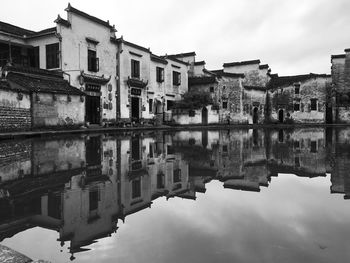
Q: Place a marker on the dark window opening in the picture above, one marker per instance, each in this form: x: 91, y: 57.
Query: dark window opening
x: 136, y: 188
x: 135, y: 149
x: 150, y: 105
x: 313, y: 147
x: 160, y: 180
x: 170, y: 149
x: 93, y: 200
x: 177, y: 175
x: 191, y: 113
x: 296, y: 144
x: 224, y: 104
x: 313, y: 104
x: 211, y: 89
x: 224, y: 148
x: 169, y: 104
x: 297, y: 161
x: 150, y: 150
x: 52, y: 56
x: 297, y: 89
x: 93, y: 61
x: 296, y: 106
x: 176, y: 78
x: 160, y: 74
x: 135, y: 69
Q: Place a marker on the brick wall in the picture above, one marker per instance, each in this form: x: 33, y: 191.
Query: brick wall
x: 12, y: 119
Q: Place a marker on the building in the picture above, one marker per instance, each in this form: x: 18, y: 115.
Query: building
x: 148, y: 84
x: 340, y: 91
x: 37, y: 98
x: 256, y: 77
x: 298, y: 99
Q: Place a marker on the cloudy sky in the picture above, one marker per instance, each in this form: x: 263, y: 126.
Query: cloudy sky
x: 292, y: 36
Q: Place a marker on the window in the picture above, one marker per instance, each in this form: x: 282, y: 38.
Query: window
x: 224, y: 104
x: 191, y: 113
x: 160, y: 180
x: 313, y: 147
x: 296, y: 106
x: 169, y: 104
x: 52, y: 56
x: 136, y: 188
x: 150, y: 105
x: 135, y: 69
x: 313, y: 104
x: 93, y: 62
x: 211, y: 89
x: 170, y: 149
x: 224, y: 148
x: 177, y: 176
x: 296, y: 89
x: 297, y: 161
x: 93, y: 200
x: 150, y: 150
x: 296, y: 144
x: 176, y: 78
x: 160, y: 74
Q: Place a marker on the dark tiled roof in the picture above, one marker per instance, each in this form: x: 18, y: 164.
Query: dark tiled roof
x: 199, y: 63
x: 338, y: 56
x: 34, y: 71
x: 221, y: 73
x: 290, y: 80
x: 5, y: 85
x: 173, y: 58
x: 242, y: 63
x: 158, y: 59
x: 95, y: 79
x: 44, y: 32
x: 87, y: 16
x: 265, y: 66
x: 21, y: 32
x: 201, y: 80
x: 121, y: 40
x: 49, y: 83
x: 183, y: 55
x: 60, y: 20
x: 15, y: 30
x: 261, y: 88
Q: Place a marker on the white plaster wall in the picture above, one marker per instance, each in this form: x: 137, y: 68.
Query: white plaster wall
x: 125, y: 72
x: 74, y: 53
x: 9, y: 98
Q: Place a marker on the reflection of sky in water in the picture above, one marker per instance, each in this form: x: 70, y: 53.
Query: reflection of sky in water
x: 294, y: 220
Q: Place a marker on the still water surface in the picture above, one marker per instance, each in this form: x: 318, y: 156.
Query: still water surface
x: 190, y: 196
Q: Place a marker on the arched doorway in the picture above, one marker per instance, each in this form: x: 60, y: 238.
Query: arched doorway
x: 204, y: 115
x: 281, y: 116
x: 255, y: 115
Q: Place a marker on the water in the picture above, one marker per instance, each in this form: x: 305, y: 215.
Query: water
x: 190, y: 196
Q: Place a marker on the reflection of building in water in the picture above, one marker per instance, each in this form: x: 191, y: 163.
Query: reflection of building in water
x: 80, y: 187
x: 340, y: 163
x: 301, y: 152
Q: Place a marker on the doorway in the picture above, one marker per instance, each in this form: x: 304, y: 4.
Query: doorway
x: 280, y: 116
x: 135, y: 109
x: 255, y: 115
x: 204, y: 115
x: 92, y: 109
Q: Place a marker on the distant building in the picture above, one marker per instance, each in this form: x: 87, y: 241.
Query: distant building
x: 256, y: 77
x: 340, y: 91
x: 298, y: 99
